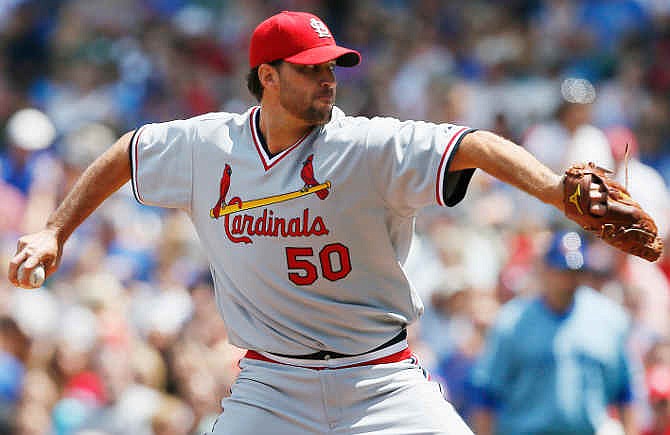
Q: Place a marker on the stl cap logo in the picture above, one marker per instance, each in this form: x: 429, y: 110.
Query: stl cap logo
x: 320, y: 28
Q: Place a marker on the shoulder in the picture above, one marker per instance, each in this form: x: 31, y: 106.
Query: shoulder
x: 650, y: 175
x: 589, y: 297
x: 208, y: 119
x: 607, y: 311
x: 340, y: 121
x: 545, y: 131
x: 590, y: 134
x: 382, y: 132
x: 215, y: 119
x: 361, y: 126
x: 514, y: 312
x: 199, y: 126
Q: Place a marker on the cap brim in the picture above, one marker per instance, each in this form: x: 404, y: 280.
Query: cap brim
x: 314, y: 56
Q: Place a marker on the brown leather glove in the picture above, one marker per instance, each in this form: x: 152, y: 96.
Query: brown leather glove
x: 624, y: 225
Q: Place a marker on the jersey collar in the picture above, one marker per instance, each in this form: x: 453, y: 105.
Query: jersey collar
x: 268, y: 159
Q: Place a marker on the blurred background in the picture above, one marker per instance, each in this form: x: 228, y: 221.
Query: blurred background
x: 126, y: 337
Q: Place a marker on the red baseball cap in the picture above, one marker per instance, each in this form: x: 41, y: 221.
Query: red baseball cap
x: 297, y: 37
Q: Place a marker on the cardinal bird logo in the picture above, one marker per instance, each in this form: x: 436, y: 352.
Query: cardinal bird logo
x: 223, y: 191
x: 307, y: 175
x: 236, y: 204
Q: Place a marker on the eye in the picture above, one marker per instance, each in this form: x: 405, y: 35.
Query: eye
x: 321, y: 67
x: 307, y: 69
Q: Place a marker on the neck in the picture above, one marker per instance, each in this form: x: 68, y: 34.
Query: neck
x: 571, y: 125
x: 559, y: 301
x: 281, y: 129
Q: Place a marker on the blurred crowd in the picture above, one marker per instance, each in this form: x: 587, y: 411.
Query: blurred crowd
x: 126, y: 337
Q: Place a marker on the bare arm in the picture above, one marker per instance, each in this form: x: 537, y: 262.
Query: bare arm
x: 103, y: 177
x: 483, y: 422
x: 628, y: 420
x: 509, y: 163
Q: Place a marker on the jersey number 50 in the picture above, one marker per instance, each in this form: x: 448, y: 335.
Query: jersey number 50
x: 308, y: 272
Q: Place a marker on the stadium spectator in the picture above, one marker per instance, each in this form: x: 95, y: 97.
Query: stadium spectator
x: 570, y: 137
x: 540, y: 372
x: 658, y: 382
x: 27, y: 167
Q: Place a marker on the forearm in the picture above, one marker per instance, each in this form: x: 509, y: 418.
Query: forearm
x: 103, y: 177
x: 509, y: 163
x: 628, y: 419
x: 483, y: 422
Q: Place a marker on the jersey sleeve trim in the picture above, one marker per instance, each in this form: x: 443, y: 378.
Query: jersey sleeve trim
x: 442, y: 194
x: 133, y: 154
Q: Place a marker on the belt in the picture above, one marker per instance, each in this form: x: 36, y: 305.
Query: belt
x: 326, y: 354
x: 394, y: 350
x: 402, y: 355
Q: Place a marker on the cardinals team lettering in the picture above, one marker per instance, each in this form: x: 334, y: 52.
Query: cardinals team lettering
x: 240, y: 227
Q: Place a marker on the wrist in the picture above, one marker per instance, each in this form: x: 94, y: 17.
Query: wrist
x: 557, y: 192
x: 56, y: 231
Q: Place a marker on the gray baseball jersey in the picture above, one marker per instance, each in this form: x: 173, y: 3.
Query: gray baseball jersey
x: 306, y: 247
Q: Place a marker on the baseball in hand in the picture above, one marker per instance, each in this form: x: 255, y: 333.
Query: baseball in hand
x: 36, y: 278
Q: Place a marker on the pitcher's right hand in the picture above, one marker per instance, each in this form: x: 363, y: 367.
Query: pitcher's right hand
x: 32, y: 250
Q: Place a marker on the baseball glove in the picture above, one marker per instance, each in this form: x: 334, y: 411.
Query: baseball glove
x: 624, y: 225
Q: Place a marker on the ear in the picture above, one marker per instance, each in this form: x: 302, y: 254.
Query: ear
x: 268, y: 75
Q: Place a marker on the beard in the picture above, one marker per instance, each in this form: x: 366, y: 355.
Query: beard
x: 306, y: 108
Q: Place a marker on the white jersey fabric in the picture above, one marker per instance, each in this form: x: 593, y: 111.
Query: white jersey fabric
x: 306, y: 247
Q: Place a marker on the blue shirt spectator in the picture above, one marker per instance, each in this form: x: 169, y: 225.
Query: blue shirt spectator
x: 550, y: 373
x: 555, y: 371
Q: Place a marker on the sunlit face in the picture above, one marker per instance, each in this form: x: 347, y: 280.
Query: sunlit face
x: 308, y: 91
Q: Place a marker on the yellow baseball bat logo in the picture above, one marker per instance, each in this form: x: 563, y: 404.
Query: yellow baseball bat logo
x: 262, y: 202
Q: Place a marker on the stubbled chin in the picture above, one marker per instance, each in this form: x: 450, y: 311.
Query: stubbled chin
x: 328, y: 115
x: 321, y: 116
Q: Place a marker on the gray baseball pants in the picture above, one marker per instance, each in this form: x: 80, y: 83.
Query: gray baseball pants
x: 384, y: 399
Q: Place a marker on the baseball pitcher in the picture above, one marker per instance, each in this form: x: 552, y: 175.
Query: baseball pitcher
x: 306, y: 216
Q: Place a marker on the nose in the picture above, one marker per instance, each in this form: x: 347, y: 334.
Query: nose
x: 327, y: 78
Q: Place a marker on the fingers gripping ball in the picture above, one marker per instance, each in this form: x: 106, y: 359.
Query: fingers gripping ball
x: 36, y: 277
x: 624, y: 224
